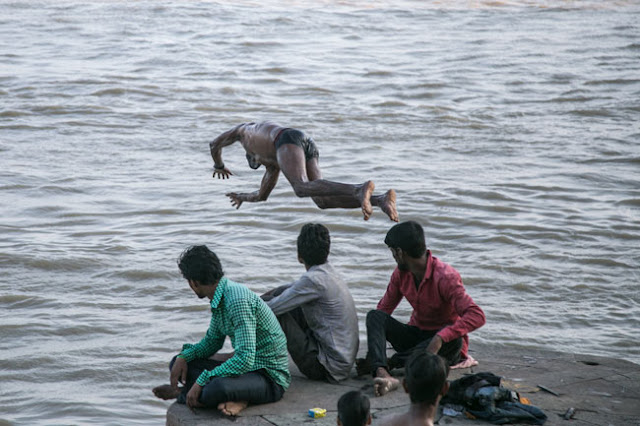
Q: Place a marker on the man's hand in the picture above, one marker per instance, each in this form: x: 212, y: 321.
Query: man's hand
x: 223, y: 173
x: 268, y: 295
x: 435, y: 344
x: 274, y: 292
x: 236, y: 199
x: 193, y: 396
x: 178, y: 372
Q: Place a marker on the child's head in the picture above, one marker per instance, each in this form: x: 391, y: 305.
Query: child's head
x: 353, y: 409
x: 426, y: 377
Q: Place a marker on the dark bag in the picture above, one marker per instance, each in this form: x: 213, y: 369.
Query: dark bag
x: 483, y: 396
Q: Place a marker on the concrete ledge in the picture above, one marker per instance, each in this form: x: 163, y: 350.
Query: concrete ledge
x: 603, y: 391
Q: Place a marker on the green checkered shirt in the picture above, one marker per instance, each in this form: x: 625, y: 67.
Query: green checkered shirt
x: 255, y: 334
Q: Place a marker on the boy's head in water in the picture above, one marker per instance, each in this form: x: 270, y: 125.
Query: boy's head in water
x: 353, y: 409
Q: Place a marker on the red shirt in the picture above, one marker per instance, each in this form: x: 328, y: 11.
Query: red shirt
x: 439, y: 303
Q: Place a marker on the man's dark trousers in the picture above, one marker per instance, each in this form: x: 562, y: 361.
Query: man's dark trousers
x: 303, y: 346
x: 255, y: 387
x: 404, y: 338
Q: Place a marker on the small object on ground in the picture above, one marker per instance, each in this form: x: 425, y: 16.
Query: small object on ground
x: 317, y: 412
x: 548, y: 390
x: 569, y: 413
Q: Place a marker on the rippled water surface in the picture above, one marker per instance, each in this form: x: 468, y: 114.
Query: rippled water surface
x: 510, y: 130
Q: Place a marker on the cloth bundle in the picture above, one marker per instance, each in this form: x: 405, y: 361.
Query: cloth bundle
x: 483, y: 397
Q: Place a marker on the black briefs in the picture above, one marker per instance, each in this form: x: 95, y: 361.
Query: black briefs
x: 297, y: 137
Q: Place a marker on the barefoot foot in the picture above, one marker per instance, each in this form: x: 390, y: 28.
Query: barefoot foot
x: 388, y: 205
x: 166, y: 392
x: 232, y: 408
x: 384, y: 385
x: 364, y: 196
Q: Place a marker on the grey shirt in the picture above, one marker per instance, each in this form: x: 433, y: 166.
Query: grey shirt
x: 330, y: 312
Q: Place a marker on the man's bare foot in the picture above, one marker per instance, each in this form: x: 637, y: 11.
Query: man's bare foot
x: 166, y: 392
x: 384, y: 385
x: 384, y: 382
x: 388, y: 205
x: 364, y: 196
x: 232, y: 408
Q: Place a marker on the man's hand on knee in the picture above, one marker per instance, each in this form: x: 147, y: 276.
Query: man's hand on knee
x: 193, y: 396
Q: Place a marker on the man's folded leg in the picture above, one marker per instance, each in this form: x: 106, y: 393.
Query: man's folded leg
x: 450, y: 351
x: 302, y: 345
x: 255, y: 387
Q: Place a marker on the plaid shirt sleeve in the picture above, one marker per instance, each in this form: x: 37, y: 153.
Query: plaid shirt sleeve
x: 210, y: 344
x: 241, y: 314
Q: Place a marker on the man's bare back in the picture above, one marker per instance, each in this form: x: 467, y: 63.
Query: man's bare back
x: 289, y: 150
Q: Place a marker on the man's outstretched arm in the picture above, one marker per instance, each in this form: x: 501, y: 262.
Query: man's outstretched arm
x: 216, y: 145
x: 269, y: 181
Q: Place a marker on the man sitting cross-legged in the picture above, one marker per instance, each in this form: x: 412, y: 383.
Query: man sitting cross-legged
x: 426, y: 383
x: 317, y: 312
x: 256, y: 373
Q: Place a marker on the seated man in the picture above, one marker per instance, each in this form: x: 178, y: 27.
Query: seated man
x: 443, y: 313
x: 426, y: 383
x: 257, y: 372
x: 317, y: 312
x: 354, y: 409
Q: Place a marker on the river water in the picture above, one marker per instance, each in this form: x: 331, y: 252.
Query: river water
x: 510, y: 130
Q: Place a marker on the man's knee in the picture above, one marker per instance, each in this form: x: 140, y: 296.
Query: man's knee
x: 173, y: 361
x: 300, y: 189
x: 451, y: 351
x: 215, y: 392
x: 320, y: 202
x: 375, y: 317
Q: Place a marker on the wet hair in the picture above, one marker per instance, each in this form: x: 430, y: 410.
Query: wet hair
x: 425, y: 375
x: 408, y: 236
x: 198, y: 263
x: 353, y: 408
x: 313, y: 244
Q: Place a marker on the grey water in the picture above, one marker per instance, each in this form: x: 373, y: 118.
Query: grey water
x: 509, y: 129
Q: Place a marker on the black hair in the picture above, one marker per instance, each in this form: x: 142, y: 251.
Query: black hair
x: 313, y: 244
x: 425, y: 375
x: 353, y: 408
x: 198, y: 263
x: 408, y: 236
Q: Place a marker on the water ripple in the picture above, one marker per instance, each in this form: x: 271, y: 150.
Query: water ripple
x: 518, y: 153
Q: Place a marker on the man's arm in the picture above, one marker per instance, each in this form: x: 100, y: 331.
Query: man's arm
x: 209, y: 345
x: 471, y: 316
x: 275, y: 292
x: 243, y: 318
x: 269, y: 181
x: 216, y: 145
x: 392, y: 296
x: 297, y: 294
